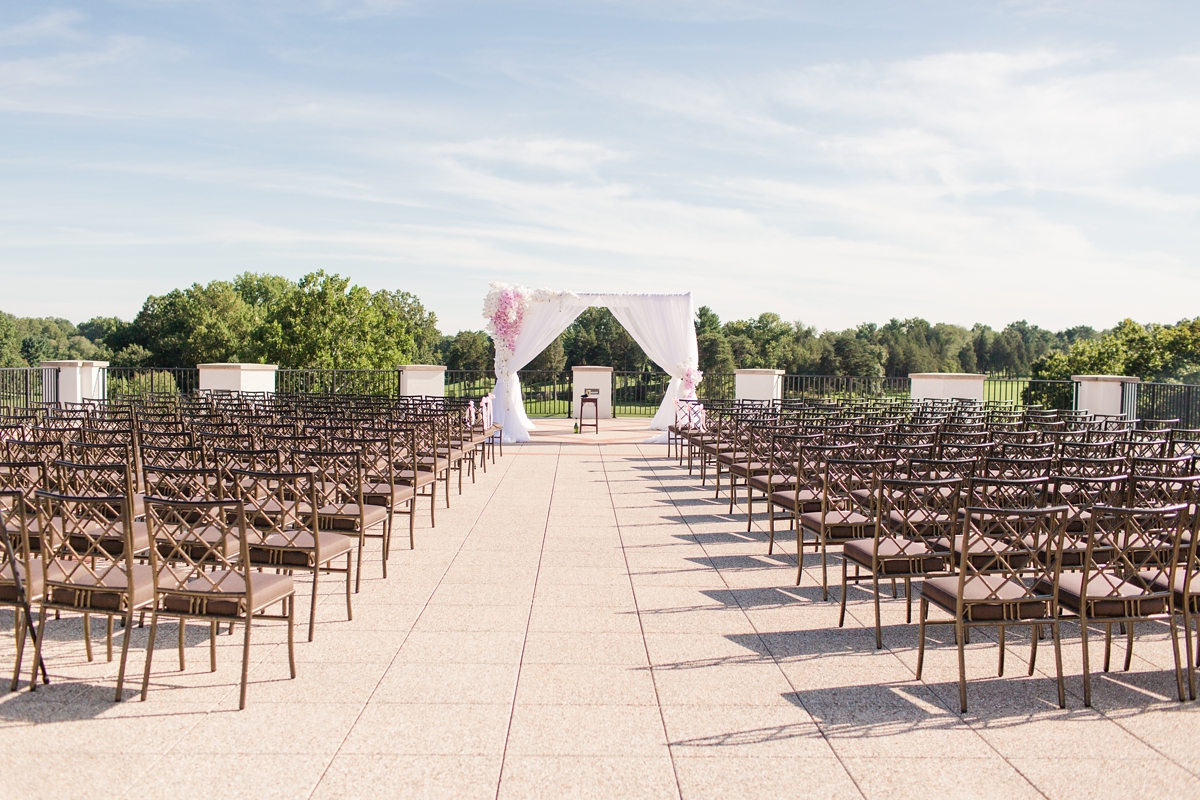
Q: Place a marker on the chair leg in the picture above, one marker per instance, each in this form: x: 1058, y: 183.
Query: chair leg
x: 291, y: 615
x: 149, y: 654
x: 824, y: 572
x: 108, y: 634
x: 312, y: 614
x: 1035, y: 633
x: 124, y: 653
x: 749, y: 507
x: 799, y: 553
x: 1087, y: 671
x: 1174, y: 652
x: 362, y: 545
x: 245, y: 663
x: 921, y: 636
x: 842, y: 612
x: 212, y: 646
x: 1000, y: 664
x: 1058, y: 671
x: 182, y: 634
x: 875, y: 590
x: 349, y: 562
x: 37, y: 647
x: 908, y: 601
x: 1129, y: 646
x: 1107, y: 646
x: 961, y: 636
x: 771, y: 524
x: 87, y: 635
x: 19, y: 632
x: 1187, y: 642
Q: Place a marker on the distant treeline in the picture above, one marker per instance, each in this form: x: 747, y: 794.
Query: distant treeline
x: 324, y: 321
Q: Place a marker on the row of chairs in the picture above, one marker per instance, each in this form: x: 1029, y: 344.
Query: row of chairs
x: 205, y: 507
x: 1001, y: 525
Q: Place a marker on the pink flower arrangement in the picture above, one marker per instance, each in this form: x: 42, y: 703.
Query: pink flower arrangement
x: 691, y: 379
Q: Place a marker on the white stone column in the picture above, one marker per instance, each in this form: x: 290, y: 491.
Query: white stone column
x: 238, y: 377
x: 422, y: 380
x: 1101, y: 394
x: 79, y: 380
x: 758, y: 384
x: 598, y: 378
x: 946, y: 385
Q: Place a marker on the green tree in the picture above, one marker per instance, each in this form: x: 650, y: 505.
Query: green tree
x: 468, y: 350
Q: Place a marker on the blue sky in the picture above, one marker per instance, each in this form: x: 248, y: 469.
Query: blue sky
x: 835, y: 162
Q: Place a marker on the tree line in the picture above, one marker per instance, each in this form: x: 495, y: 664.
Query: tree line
x: 325, y: 321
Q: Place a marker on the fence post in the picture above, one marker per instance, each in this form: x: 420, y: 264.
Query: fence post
x: 1105, y: 394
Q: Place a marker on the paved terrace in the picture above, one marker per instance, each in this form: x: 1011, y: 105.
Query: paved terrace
x: 586, y: 621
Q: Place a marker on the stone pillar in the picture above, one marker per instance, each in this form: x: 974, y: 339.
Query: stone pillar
x: 946, y: 385
x: 80, y: 380
x: 1102, y: 394
x: 238, y: 377
x: 758, y: 384
x: 422, y: 380
x: 599, y: 379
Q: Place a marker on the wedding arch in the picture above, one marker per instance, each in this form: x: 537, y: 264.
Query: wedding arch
x: 523, y: 322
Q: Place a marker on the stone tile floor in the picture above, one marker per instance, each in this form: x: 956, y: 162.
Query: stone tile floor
x: 586, y: 620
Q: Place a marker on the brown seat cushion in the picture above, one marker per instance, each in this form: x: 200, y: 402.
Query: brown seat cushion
x: 296, y: 550
x: 1125, y: 596
x: 978, y: 591
x: 347, y: 517
x: 775, y: 482
x: 745, y: 468
x: 839, y: 524
x: 807, y: 499
x: 32, y: 583
x: 114, y: 580
x: 896, y: 556
x: 225, y: 599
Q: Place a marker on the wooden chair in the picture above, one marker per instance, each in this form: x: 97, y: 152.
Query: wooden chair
x: 205, y: 573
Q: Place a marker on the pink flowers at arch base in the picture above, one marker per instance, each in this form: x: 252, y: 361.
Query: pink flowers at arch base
x: 691, y: 379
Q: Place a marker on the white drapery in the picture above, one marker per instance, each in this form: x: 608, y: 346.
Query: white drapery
x: 542, y: 324
x: 661, y: 324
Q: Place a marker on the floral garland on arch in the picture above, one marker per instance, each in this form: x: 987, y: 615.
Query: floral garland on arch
x: 691, y: 377
x: 505, y: 308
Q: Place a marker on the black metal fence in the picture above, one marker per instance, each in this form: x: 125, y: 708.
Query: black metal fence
x: 472, y: 383
x: 1028, y: 392
x: 638, y: 394
x: 127, y: 381
x: 26, y: 387
x: 812, y: 387
x: 546, y: 394
x: 1179, y: 401
x: 376, y: 382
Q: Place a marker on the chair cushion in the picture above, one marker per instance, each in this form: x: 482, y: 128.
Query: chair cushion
x: 1124, y: 596
x: 896, y: 556
x: 839, y: 524
x: 807, y: 499
x: 347, y: 517
x: 226, y: 599
x: 978, y: 591
x: 297, y: 550
x: 93, y: 594
x: 32, y: 583
x: 775, y: 482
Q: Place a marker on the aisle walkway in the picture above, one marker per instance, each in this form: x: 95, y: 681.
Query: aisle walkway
x: 586, y: 621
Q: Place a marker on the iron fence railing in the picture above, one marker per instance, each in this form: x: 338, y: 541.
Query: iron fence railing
x: 1159, y: 401
x: 638, y: 394
x: 546, y: 394
x: 127, y: 381
x: 1017, y: 392
x: 26, y: 387
x: 375, y: 382
x: 472, y: 383
x: 716, y: 386
x: 810, y: 387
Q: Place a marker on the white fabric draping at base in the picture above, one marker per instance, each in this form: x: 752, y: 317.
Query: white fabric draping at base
x: 662, y: 326
x: 542, y: 324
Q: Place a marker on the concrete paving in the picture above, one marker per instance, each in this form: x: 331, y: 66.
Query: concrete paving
x: 586, y: 620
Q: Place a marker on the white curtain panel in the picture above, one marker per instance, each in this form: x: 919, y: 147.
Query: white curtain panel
x: 542, y: 324
x: 662, y: 325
